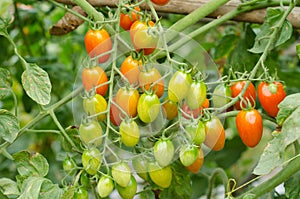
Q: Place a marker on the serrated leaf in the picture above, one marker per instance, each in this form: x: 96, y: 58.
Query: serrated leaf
x: 31, y: 164
x: 5, y: 83
x: 37, y: 84
x: 9, y: 126
x: 273, y: 16
x: 287, y: 106
x: 9, y: 187
x: 292, y: 188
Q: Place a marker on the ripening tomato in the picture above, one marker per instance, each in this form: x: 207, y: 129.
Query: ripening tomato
x: 140, y: 165
x: 127, y: 99
x: 196, y: 132
x: 147, y: 78
x: 148, y: 107
x: 250, y: 126
x: 250, y: 94
x: 163, y: 151
x: 93, y: 77
x: 91, y: 160
x: 98, y: 42
x: 196, y: 94
x: 129, y: 191
x: 270, y: 95
x: 121, y: 174
x: 188, y: 154
x: 221, y: 95
x: 160, y: 2
x: 81, y: 193
x: 91, y: 133
x: 179, y: 86
x: 144, y: 36
x: 170, y: 109
x: 127, y: 19
x: 188, y: 113
x: 196, y: 166
x: 105, y: 186
x: 95, y: 105
x: 130, y: 133
x: 130, y: 68
x: 161, y: 176
x: 115, y: 114
x: 214, y: 134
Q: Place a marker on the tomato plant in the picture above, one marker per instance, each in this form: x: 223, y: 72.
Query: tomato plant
x: 127, y: 99
x: 95, y: 105
x: 152, y: 79
x: 105, y: 186
x: 128, y: 18
x: 93, y: 77
x: 250, y: 94
x: 130, y: 68
x: 91, y: 160
x: 163, y: 152
x: 179, y: 85
x: 148, y: 107
x: 130, y: 133
x: 215, y: 134
x: 90, y: 133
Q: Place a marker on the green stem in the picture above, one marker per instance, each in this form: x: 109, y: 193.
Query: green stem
x: 217, y: 171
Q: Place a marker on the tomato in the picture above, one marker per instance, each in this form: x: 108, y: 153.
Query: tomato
x: 143, y: 36
x: 129, y: 191
x: 196, y: 166
x: 140, y: 165
x: 115, y: 114
x: 160, y: 2
x: 250, y: 126
x: 196, y: 94
x: 147, y: 78
x: 127, y: 19
x: 91, y: 160
x: 188, y: 113
x: 214, y: 134
x: 91, y: 133
x: 130, y: 133
x: 160, y: 176
x: 188, y: 154
x: 81, y: 193
x: 105, y: 186
x: 121, y: 174
x: 127, y: 99
x: 148, y: 107
x: 250, y: 94
x: 179, y: 86
x: 196, y: 132
x: 163, y: 152
x: 98, y: 42
x: 69, y: 165
x: 221, y: 95
x: 270, y: 95
x: 93, y: 77
x: 130, y: 68
x: 170, y: 109
x: 85, y: 180
x: 95, y: 105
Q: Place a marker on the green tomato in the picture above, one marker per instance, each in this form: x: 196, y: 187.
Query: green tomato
x: 196, y: 94
x: 85, y: 180
x: 160, y: 176
x: 188, y: 154
x: 91, y: 133
x: 69, y: 165
x: 148, y: 107
x: 163, y: 152
x: 95, y: 105
x: 105, y: 186
x: 129, y: 191
x: 140, y: 165
x: 130, y: 133
x: 221, y: 95
x: 196, y: 132
x: 179, y: 86
x: 121, y: 174
x: 81, y: 193
x: 91, y: 160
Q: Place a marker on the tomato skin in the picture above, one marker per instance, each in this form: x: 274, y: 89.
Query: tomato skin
x: 170, y: 109
x: 129, y: 191
x: 188, y: 113
x: 179, y: 86
x: 196, y: 132
x: 188, y: 154
x: 148, y: 107
x: 91, y: 160
x: 130, y: 133
x: 160, y: 176
x: 130, y: 68
x: 126, y: 20
x: 92, y: 77
x: 115, y: 114
x: 196, y: 166
x: 91, y: 133
x: 121, y: 174
x: 221, y: 95
x: 95, y: 105
x: 140, y: 165
x: 160, y: 2
x: 215, y: 134
x: 163, y: 151
x: 196, y: 94
x: 81, y: 193
x: 98, y: 42
x: 250, y: 94
x: 147, y: 78
x: 250, y: 126
x: 69, y: 165
x: 105, y: 186
x: 127, y: 99
x: 270, y: 95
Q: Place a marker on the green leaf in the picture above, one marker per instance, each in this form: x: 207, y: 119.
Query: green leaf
x: 181, y: 183
x: 2, y: 196
x: 68, y: 193
x: 273, y: 16
x: 6, y: 7
x: 5, y: 83
x: 148, y: 194
x: 31, y: 164
x: 292, y: 188
x: 225, y: 45
x: 31, y: 187
x: 9, y: 126
x: 298, y: 50
x: 287, y: 106
x: 50, y: 190
x: 37, y: 84
x: 9, y: 187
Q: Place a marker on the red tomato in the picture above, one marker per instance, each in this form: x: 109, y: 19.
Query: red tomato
x: 250, y: 94
x: 170, y: 109
x: 250, y: 126
x: 127, y: 19
x: 127, y: 99
x: 270, y: 95
x: 187, y: 112
x: 147, y: 78
x: 130, y: 68
x: 215, y: 134
x: 92, y: 77
x: 98, y: 42
x: 115, y: 114
x: 160, y: 2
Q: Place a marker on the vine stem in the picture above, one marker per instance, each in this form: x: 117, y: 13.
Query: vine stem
x: 217, y: 171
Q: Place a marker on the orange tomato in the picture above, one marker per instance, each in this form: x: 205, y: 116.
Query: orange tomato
x: 93, y: 77
x: 147, y: 78
x: 130, y: 68
x: 196, y: 166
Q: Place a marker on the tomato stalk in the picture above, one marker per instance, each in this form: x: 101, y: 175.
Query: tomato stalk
x: 217, y: 172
